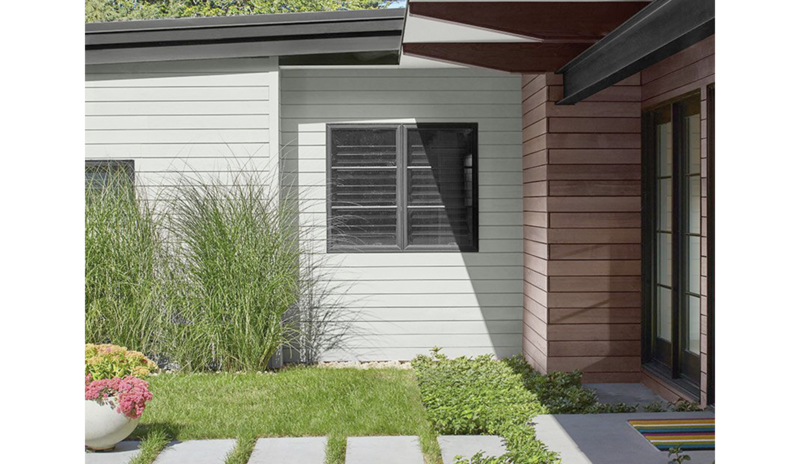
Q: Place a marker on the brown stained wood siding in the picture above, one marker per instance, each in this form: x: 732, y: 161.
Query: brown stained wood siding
x: 687, y: 71
x: 582, y: 216
x: 582, y: 219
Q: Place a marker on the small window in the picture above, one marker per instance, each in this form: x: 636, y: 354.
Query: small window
x: 101, y: 173
x: 396, y: 188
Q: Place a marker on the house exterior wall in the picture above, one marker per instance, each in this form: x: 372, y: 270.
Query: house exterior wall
x: 688, y: 71
x: 582, y: 221
x: 582, y: 230
x: 205, y: 117
x: 405, y: 303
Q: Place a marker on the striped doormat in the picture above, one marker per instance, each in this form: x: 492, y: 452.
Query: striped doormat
x: 690, y: 434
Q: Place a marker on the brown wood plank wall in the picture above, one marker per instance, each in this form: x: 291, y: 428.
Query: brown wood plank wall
x: 582, y: 230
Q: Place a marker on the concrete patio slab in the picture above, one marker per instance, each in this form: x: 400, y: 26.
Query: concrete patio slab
x: 632, y: 394
x: 383, y: 450
x: 122, y: 454
x: 290, y: 450
x: 196, y: 452
x: 468, y: 445
x: 608, y: 438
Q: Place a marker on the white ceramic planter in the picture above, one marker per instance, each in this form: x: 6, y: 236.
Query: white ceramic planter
x: 105, y: 427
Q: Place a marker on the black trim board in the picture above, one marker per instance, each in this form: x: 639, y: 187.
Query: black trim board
x: 293, y: 34
x: 658, y: 31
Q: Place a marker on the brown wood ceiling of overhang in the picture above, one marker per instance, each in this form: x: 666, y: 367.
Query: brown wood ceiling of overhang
x: 564, y: 28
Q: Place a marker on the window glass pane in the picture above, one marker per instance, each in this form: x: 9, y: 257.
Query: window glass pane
x: 363, y: 147
x: 664, y: 314
x: 440, y: 186
x: 693, y: 324
x: 101, y: 174
x: 364, y: 227
x: 364, y: 187
x: 692, y: 136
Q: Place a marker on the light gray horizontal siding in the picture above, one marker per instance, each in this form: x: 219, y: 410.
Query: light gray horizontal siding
x: 406, y: 303
x: 207, y: 118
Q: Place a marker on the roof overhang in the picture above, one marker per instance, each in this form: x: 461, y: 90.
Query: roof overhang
x: 661, y: 29
x: 334, y: 37
x: 525, y: 36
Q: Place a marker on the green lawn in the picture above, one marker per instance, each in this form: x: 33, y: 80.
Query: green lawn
x: 299, y: 401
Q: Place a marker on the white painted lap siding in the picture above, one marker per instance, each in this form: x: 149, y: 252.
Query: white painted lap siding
x: 206, y: 118
x: 467, y: 303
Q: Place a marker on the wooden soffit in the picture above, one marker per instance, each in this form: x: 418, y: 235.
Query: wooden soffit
x: 539, y: 57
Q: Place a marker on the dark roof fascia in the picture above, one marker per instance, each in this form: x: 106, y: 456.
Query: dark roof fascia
x: 659, y: 30
x: 245, y: 36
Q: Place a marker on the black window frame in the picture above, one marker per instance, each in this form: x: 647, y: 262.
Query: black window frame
x: 127, y: 165
x: 402, y: 245
x: 674, y: 372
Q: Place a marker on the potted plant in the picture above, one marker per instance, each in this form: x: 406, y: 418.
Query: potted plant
x: 115, y: 393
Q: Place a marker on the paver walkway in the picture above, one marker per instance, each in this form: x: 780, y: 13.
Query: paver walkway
x: 301, y: 450
x: 122, y: 454
x: 468, y: 445
x: 383, y: 450
x: 608, y: 438
x: 196, y: 452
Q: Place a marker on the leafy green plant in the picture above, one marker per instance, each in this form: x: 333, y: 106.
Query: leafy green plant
x: 470, y: 396
x: 115, y: 10
x: 481, y: 458
x: 679, y: 457
x: 685, y: 406
x: 109, y: 361
x: 562, y: 392
x: 655, y: 406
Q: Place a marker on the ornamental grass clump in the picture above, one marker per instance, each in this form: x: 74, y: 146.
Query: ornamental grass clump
x: 237, y: 260
x: 123, y: 253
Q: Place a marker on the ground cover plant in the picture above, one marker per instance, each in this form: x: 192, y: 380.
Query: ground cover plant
x: 472, y: 396
x: 297, y: 401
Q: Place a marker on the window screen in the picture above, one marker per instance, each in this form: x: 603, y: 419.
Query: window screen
x: 403, y: 188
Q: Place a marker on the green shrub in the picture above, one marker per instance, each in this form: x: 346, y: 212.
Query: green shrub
x: 464, y: 396
x: 562, y: 392
x: 109, y: 361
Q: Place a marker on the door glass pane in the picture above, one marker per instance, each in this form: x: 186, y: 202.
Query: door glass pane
x: 694, y: 265
x: 693, y: 325
x: 692, y: 123
x: 694, y: 204
x: 665, y: 204
x: 664, y: 148
x: 664, y: 257
x: 664, y: 313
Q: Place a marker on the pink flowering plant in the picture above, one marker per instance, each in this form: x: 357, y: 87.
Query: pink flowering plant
x: 129, y: 393
x: 115, y: 375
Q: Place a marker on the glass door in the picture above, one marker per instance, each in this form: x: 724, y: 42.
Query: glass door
x: 672, y: 242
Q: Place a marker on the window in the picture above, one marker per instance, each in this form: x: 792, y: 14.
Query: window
x: 100, y: 173
x: 402, y: 188
x: 672, y: 241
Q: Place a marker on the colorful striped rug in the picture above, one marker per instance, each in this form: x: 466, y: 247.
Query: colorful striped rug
x: 690, y: 434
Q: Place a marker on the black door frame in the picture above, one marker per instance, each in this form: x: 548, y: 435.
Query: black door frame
x: 671, y: 372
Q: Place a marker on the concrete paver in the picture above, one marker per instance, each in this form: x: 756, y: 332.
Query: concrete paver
x: 290, y: 450
x: 122, y: 454
x: 383, y: 450
x: 608, y: 438
x: 196, y: 452
x: 632, y: 394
